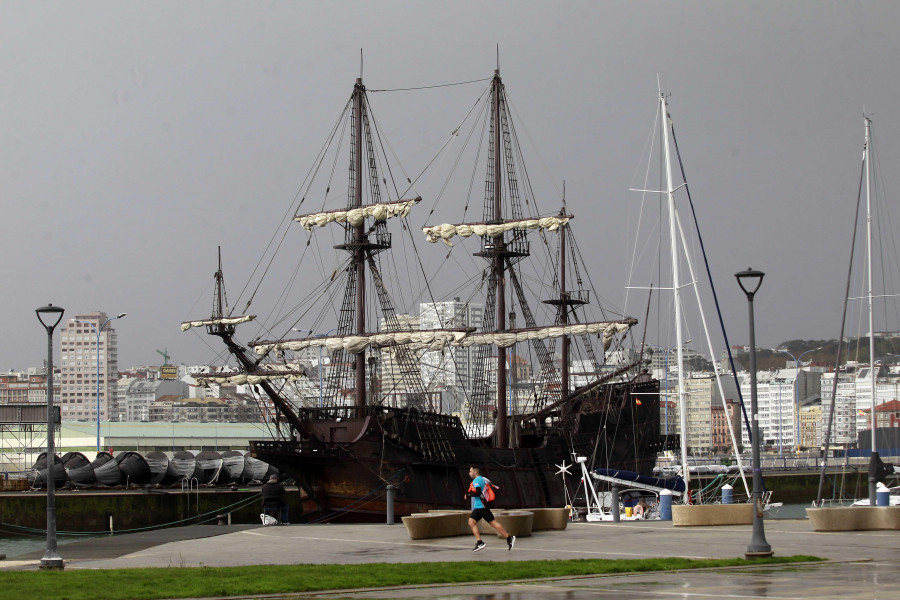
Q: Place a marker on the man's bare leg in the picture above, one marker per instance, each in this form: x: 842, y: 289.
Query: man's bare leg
x: 496, y: 525
x: 473, y: 525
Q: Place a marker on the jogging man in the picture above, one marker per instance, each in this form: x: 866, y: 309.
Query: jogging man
x: 480, y: 511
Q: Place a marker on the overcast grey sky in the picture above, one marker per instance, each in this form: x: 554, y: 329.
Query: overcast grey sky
x: 138, y: 136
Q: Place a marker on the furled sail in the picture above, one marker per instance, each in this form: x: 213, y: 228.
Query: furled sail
x: 223, y: 321
x: 437, y: 339
x: 428, y: 339
x: 271, y: 372
x: 505, y: 339
x: 446, y: 231
x: 356, y: 216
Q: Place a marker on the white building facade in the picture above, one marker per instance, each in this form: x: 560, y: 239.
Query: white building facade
x: 87, y: 359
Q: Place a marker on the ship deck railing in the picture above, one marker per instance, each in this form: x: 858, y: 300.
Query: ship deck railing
x: 356, y: 412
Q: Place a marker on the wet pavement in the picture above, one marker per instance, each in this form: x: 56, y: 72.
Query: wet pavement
x: 866, y: 580
x: 864, y: 564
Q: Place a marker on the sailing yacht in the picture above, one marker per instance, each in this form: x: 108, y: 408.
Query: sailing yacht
x: 684, y: 280
x: 878, y: 471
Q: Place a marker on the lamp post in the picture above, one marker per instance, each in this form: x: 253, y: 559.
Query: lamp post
x: 52, y: 559
x: 750, y: 281
x: 98, y: 332
x: 797, y: 391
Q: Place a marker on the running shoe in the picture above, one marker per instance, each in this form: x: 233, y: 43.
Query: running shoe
x: 479, y: 545
x: 511, y: 541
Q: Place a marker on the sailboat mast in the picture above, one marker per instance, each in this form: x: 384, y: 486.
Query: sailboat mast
x: 676, y: 291
x: 872, y: 378
x: 499, y: 246
x: 360, y: 240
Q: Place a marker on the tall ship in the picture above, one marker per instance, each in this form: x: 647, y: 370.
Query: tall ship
x: 417, y: 390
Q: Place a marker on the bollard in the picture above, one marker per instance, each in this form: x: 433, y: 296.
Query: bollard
x: 615, y: 503
x: 222, y: 519
x: 391, y: 492
x: 882, y: 495
x: 727, y: 494
x: 665, y: 505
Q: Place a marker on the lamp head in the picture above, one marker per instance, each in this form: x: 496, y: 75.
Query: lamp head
x: 121, y: 315
x: 750, y: 281
x: 50, y: 313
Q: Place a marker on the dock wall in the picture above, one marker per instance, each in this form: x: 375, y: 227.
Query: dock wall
x: 91, y: 511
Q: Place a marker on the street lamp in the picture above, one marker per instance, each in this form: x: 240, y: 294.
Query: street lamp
x: 52, y: 559
x: 98, y: 332
x: 797, y: 391
x: 750, y: 281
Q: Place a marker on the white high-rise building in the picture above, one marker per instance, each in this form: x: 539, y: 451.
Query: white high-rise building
x: 451, y: 367
x: 396, y: 385
x: 79, y: 368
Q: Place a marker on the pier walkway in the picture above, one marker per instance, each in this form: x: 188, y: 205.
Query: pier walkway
x: 864, y: 564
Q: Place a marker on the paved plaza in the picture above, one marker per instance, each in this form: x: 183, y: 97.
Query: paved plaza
x: 863, y: 564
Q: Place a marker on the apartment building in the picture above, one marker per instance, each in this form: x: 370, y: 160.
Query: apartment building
x: 450, y: 367
x: 88, y: 367
x: 27, y: 387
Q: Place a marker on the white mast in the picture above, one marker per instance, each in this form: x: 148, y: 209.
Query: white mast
x: 871, y: 312
x: 676, y: 290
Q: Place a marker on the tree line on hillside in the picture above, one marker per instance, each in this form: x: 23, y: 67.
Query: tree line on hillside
x: 822, y: 353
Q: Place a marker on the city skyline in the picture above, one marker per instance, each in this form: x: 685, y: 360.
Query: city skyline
x: 140, y: 139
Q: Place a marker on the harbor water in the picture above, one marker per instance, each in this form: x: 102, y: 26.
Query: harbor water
x: 16, y: 545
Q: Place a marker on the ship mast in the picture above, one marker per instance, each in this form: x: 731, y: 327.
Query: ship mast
x: 220, y: 326
x: 219, y: 299
x: 360, y: 240
x: 499, y: 271
x: 564, y: 306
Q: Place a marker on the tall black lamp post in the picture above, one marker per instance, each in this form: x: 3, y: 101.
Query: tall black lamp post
x: 750, y: 281
x: 50, y: 316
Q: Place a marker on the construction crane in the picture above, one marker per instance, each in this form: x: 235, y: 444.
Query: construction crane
x: 165, y: 355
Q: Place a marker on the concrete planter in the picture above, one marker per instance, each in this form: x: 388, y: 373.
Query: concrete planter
x: 437, y: 524
x: 549, y: 518
x: 854, y: 518
x: 686, y: 515
x: 515, y: 522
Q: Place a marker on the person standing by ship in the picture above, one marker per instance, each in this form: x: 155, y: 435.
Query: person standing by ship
x: 274, y: 501
x: 481, y: 511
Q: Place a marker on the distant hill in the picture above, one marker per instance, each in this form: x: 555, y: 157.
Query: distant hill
x: 886, y: 350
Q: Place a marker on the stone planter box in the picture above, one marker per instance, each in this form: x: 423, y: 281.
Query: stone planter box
x: 520, y: 523
x: 516, y: 522
x: 854, y: 518
x: 549, y: 518
x: 422, y: 526
x: 711, y: 514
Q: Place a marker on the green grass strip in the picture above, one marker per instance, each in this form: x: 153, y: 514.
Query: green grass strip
x: 199, y: 582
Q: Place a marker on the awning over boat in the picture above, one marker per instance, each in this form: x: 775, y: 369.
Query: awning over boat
x: 223, y: 321
x: 356, y: 216
x: 675, y: 484
x: 429, y: 339
x: 446, y: 231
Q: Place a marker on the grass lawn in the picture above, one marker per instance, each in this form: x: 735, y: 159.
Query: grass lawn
x: 197, y: 582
